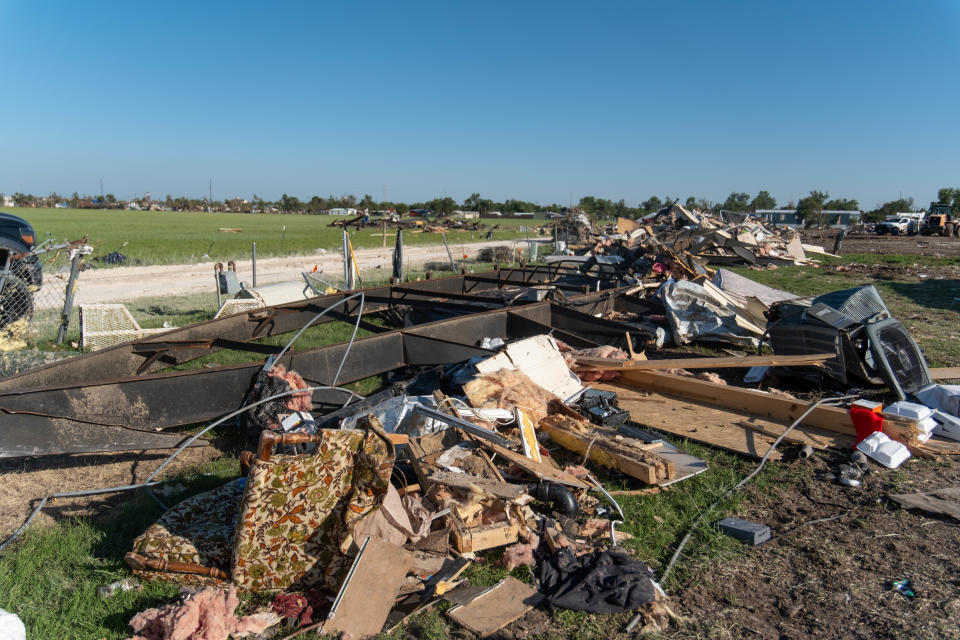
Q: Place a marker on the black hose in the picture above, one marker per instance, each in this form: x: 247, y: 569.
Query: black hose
x: 561, y: 498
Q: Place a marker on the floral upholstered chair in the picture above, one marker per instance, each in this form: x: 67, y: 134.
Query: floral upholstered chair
x: 290, y: 527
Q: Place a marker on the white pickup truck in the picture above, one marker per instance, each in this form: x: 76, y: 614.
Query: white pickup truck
x: 896, y: 227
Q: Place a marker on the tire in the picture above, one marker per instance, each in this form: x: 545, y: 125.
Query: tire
x: 16, y: 301
x: 27, y: 269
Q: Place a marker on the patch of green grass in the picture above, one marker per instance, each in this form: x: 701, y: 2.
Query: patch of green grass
x: 49, y: 577
x: 928, y: 309
x: 165, y: 237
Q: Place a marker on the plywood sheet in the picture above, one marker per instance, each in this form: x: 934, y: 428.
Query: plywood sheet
x: 495, y: 609
x: 369, y: 595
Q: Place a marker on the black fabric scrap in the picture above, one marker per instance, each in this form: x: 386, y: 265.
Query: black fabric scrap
x: 607, y: 581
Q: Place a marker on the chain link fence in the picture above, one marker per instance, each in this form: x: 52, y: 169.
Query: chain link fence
x: 35, y: 299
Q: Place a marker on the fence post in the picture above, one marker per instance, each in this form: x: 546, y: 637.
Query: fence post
x: 68, y: 298
x: 253, y: 250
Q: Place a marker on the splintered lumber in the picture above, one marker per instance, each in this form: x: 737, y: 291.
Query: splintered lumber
x: 467, y: 481
x: 606, y: 448
x: 829, y: 421
x: 540, y: 470
x: 711, y: 424
x: 720, y: 362
x: 368, y: 594
x: 494, y: 609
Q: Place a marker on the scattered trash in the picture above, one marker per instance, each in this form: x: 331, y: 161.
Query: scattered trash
x: 905, y: 587
x: 127, y: 584
x: 748, y: 532
x: 11, y: 627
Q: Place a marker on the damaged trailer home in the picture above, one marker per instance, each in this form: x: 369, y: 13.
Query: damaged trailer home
x: 504, y: 397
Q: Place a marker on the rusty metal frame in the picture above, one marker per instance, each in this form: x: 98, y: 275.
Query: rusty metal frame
x: 124, y: 412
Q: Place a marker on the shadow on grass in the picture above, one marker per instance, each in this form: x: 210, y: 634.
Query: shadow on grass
x: 938, y: 294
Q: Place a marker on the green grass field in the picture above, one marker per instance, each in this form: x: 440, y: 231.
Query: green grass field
x: 165, y: 237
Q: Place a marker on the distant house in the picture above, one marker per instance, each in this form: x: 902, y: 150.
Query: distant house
x: 788, y: 217
x: 528, y: 215
x: 62, y: 205
x: 466, y: 215
x: 342, y: 211
x: 8, y: 201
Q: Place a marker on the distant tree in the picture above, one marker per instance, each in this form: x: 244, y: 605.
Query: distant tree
x: 690, y: 203
x: 810, y: 209
x: 316, y: 205
x: 841, y: 204
x: 367, y: 203
x: 401, y: 208
x: 652, y: 204
x: 442, y: 206
x: 951, y: 197
x: 763, y: 201
x: 736, y: 202
x: 22, y: 199
x: 290, y: 204
x: 888, y: 209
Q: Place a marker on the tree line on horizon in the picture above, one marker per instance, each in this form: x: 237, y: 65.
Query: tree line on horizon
x: 808, y: 208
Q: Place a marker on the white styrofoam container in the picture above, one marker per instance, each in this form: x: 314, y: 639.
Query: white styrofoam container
x: 945, y: 397
x: 881, y: 448
x: 910, y: 410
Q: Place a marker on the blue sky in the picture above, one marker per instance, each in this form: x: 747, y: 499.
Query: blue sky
x: 541, y: 101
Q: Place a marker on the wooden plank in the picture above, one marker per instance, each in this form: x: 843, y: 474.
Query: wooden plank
x: 758, y: 403
x: 496, y: 608
x: 606, y: 451
x: 719, y: 362
x: 945, y: 373
x: 369, y: 595
x: 538, y: 469
x: 467, y: 481
x: 708, y: 424
x: 487, y: 536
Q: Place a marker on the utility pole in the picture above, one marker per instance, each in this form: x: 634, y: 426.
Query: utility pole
x: 210, y: 200
x: 101, y: 189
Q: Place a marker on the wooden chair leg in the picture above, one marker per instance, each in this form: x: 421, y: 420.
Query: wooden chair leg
x: 141, y: 563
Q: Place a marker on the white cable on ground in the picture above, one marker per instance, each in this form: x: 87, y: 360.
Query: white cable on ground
x: 149, y: 480
x: 696, y: 523
x: 750, y: 476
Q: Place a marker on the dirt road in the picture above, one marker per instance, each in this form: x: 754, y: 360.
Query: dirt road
x: 122, y: 284
x: 872, y: 243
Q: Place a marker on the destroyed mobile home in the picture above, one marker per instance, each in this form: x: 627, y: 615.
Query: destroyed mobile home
x: 505, y: 393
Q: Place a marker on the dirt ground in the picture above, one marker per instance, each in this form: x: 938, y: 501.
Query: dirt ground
x: 833, y: 579
x: 122, y: 284
x: 26, y: 480
x: 872, y: 243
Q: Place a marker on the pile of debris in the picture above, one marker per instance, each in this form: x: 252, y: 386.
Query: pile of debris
x: 386, y: 505
x: 355, y: 513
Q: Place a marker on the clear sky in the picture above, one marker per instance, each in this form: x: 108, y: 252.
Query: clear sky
x: 540, y: 101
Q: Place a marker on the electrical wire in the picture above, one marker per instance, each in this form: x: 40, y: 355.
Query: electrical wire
x: 750, y: 476
x: 148, y: 482
x: 359, y: 294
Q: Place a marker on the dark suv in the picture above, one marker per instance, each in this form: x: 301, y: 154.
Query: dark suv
x: 17, y: 236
